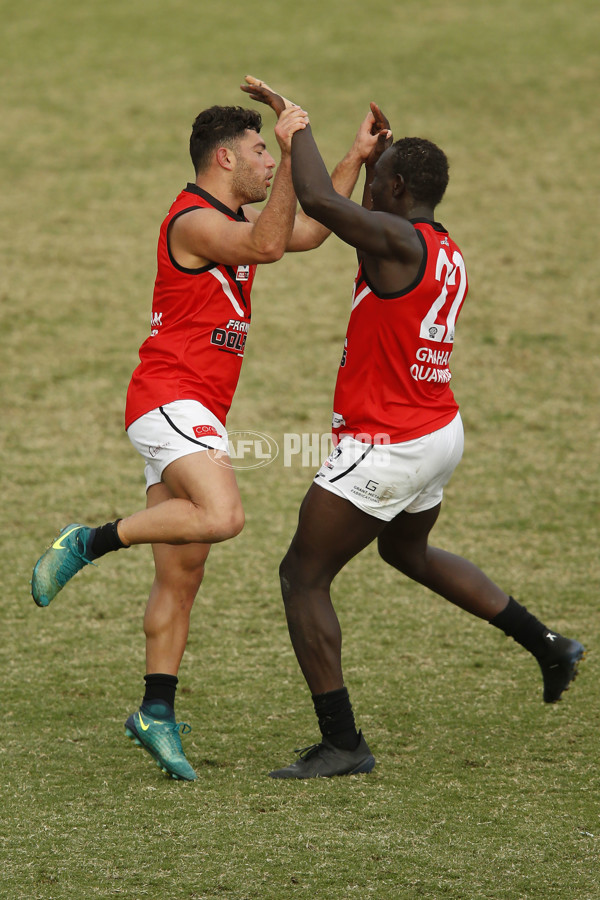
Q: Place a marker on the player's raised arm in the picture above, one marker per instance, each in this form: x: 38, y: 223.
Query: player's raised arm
x: 372, y: 138
x: 239, y: 173
x: 279, y: 213
x: 376, y: 233
x: 308, y: 232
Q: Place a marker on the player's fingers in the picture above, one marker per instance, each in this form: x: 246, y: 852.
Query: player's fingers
x: 256, y: 82
x: 293, y: 111
x: 380, y: 118
x: 294, y: 108
x: 294, y: 120
x: 383, y: 140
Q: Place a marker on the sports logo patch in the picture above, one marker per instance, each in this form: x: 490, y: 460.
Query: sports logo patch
x: 205, y: 431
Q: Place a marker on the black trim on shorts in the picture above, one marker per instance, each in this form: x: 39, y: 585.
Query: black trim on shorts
x: 353, y: 466
x: 182, y: 433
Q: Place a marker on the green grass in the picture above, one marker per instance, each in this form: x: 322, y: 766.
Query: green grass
x: 480, y: 790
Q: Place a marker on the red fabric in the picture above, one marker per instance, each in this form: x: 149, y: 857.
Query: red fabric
x: 394, y: 378
x: 200, y: 320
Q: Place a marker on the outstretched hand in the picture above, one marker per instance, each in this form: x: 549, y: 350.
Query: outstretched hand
x: 380, y: 121
x: 373, y: 136
x: 262, y: 93
x: 380, y: 129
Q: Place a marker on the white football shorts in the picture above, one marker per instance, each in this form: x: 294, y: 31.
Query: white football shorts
x: 384, y: 480
x: 175, y: 430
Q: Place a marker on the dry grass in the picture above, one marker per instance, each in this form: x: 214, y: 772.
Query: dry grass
x: 480, y: 791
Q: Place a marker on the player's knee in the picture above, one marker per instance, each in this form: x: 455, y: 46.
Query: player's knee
x: 385, y: 550
x: 286, y: 575
x: 214, y: 524
x: 301, y: 576
x: 228, y: 523
x: 293, y: 576
x: 190, y: 579
x: 398, y: 555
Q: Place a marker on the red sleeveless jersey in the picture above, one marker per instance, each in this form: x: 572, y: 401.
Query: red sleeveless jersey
x: 200, y: 320
x: 394, y: 377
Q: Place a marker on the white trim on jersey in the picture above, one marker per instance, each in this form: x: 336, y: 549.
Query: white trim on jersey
x: 227, y: 291
x: 356, y: 300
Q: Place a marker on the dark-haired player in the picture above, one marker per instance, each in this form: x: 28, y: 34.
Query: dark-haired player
x: 209, y: 246
x: 397, y: 427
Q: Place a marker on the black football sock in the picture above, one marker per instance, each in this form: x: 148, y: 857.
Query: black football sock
x: 516, y: 622
x: 104, y: 539
x: 159, y: 696
x: 336, y: 719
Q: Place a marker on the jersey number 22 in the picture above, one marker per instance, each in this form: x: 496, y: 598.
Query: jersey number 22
x: 438, y: 324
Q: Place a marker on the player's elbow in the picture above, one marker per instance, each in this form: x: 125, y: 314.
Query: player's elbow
x: 315, y: 201
x: 315, y: 204
x: 312, y: 208
x: 272, y: 252
x: 311, y: 201
x: 269, y: 246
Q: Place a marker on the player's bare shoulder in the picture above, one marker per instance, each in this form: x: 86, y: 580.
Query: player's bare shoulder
x: 203, y: 235
x: 186, y: 237
x: 404, y: 240
x: 399, y: 240
x: 392, y: 271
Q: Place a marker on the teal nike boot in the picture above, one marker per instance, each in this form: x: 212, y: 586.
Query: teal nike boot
x: 160, y: 738
x: 64, y: 558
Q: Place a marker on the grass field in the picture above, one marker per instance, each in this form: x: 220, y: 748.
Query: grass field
x: 480, y: 790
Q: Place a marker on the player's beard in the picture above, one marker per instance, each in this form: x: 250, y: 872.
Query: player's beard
x: 246, y: 183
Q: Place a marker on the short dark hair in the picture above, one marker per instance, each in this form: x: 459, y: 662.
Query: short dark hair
x: 219, y: 125
x: 424, y: 168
